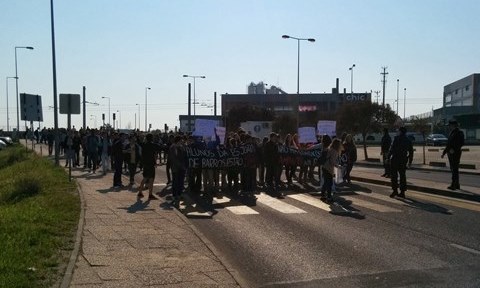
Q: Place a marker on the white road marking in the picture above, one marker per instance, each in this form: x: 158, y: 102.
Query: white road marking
x: 311, y: 201
x: 278, y: 205
x: 371, y: 205
x: 465, y: 248
x: 380, y: 197
x: 238, y: 210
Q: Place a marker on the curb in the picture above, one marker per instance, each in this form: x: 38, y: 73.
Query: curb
x: 364, y: 163
x: 458, y: 195
x: 240, y: 281
x: 67, y: 277
x: 210, y: 246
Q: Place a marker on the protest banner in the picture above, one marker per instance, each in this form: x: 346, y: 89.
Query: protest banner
x: 327, y: 128
x: 241, y: 156
x: 204, y: 127
x: 307, y: 135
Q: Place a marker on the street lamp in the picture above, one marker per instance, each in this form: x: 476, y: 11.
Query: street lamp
x: 398, y: 83
x: 298, y: 67
x: 106, y: 97
x: 16, y: 83
x: 119, y: 119
x: 404, y: 101
x: 8, y: 114
x: 138, y: 115
x: 351, y: 85
x: 194, y: 101
x: 146, y: 89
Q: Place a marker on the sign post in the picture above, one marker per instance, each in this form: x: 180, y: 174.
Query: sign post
x: 69, y: 104
x: 31, y: 110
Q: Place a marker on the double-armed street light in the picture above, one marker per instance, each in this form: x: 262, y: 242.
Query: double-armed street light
x: 146, y: 120
x: 194, y: 94
x: 106, y: 97
x: 16, y: 83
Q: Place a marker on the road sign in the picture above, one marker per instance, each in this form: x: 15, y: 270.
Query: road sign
x: 69, y: 103
x: 31, y: 107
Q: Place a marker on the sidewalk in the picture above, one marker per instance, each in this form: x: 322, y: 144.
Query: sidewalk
x: 130, y: 243
x: 362, y: 174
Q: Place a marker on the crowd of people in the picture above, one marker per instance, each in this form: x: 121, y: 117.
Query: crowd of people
x: 110, y: 150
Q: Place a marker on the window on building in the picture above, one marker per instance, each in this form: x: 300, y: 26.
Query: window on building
x: 467, y: 87
x: 456, y: 91
x: 448, y: 98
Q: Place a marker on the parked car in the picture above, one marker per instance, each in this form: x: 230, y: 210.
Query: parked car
x: 2, y: 145
x: 436, y: 140
x: 6, y: 140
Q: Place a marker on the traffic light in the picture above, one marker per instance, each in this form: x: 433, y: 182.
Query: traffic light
x: 113, y: 116
x: 103, y: 116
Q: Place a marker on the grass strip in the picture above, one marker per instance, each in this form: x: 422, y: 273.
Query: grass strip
x: 39, y: 210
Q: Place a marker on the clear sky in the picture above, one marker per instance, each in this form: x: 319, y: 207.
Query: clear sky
x: 116, y: 48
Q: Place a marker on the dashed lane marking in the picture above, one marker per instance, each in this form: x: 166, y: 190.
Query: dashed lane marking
x: 465, y: 248
x: 371, y: 205
x: 238, y: 209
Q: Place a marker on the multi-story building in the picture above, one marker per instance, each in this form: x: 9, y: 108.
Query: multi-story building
x: 461, y: 101
x: 312, y: 106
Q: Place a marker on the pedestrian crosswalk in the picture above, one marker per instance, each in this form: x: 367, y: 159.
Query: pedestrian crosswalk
x: 350, y: 202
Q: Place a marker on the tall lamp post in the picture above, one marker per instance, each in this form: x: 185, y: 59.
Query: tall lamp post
x: 194, y: 99
x: 398, y: 83
x: 106, y: 97
x: 351, y: 81
x: 119, y: 119
x: 138, y: 115
x: 8, y: 114
x: 16, y: 83
x: 298, y: 68
x: 404, y: 101
x: 146, y: 121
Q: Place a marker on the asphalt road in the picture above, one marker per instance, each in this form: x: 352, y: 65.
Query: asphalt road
x: 364, y: 239
x: 363, y: 242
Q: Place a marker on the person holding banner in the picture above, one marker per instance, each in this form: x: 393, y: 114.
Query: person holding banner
x: 328, y: 167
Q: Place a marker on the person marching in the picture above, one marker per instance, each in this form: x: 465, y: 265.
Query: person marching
x: 386, y: 143
x: 149, y: 160
x: 177, y: 158
x: 456, y: 139
x: 400, y: 155
x: 333, y: 151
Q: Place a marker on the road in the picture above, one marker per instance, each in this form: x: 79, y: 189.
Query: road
x: 364, y: 239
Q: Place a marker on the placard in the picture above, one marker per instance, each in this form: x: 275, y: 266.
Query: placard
x: 327, y: 127
x: 307, y: 135
x: 205, y: 127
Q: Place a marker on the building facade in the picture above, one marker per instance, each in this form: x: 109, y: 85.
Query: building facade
x: 461, y: 101
x: 312, y: 106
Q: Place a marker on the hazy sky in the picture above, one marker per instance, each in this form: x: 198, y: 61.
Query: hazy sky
x: 117, y: 47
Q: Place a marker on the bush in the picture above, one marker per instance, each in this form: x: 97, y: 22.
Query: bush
x: 24, y: 188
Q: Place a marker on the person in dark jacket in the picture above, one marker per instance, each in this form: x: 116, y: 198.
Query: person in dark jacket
x: 117, y: 155
x: 400, y: 155
x: 272, y: 158
x: 178, y: 163
x: 386, y: 143
x: 149, y: 160
x: 456, y: 139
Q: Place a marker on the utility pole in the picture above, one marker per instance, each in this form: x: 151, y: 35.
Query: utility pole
x: 384, y: 82
x: 376, y: 96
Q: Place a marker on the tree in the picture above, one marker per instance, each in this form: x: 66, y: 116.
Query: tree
x: 239, y: 114
x: 363, y: 118
x: 284, y: 124
x: 421, y: 126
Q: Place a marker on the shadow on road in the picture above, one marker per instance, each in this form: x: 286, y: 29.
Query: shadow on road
x: 139, y: 205
x: 428, y: 207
